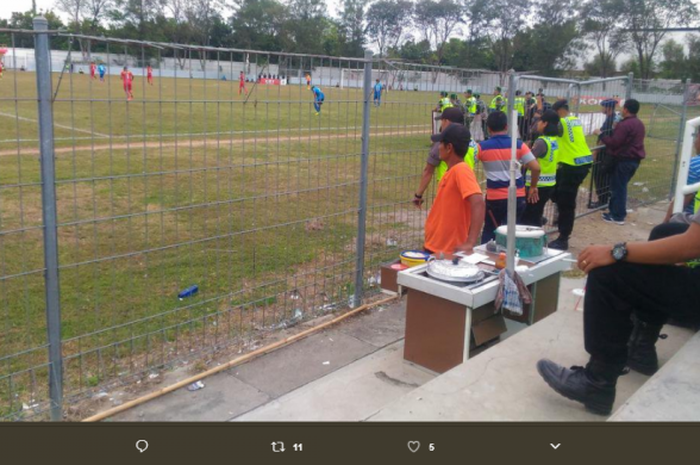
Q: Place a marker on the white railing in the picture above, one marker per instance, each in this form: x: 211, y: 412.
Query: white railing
x: 684, y: 166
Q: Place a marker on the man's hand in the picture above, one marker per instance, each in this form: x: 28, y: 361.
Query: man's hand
x: 417, y: 200
x: 595, y: 256
x: 467, y: 248
x: 533, y: 195
x: 597, y: 132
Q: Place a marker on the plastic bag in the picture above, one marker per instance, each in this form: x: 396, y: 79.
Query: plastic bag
x: 512, y: 293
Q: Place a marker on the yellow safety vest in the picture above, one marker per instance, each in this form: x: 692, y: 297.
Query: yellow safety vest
x: 445, y: 103
x: 493, y: 104
x: 471, y: 105
x: 469, y: 158
x: 696, y: 208
x: 573, y: 149
x: 548, y: 164
x: 520, y: 105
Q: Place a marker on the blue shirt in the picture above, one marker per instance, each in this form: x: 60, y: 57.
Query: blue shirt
x: 693, y: 177
x: 101, y: 69
x: 378, y: 88
x: 318, y: 94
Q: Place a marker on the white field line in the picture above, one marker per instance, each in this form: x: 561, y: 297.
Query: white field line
x: 205, y: 134
x: 30, y: 120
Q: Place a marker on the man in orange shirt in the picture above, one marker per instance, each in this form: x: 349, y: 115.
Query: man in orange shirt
x: 457, y: 215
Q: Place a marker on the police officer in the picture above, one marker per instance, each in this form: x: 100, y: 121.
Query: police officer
x: 602, y: 165
x: 546, y: 150
x: 497, y: 102
x: 519, y: 106
x: 444, y: 102
x: 575, y: 160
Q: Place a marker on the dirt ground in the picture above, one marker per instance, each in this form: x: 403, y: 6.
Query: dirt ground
x: 592, y: 229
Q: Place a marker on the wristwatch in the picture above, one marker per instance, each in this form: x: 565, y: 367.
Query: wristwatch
x: 619, y: 251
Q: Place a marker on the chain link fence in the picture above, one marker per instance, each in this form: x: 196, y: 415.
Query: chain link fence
x: 212, y: 202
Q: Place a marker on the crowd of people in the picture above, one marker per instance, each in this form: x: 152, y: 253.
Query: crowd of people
x: 632, y: 288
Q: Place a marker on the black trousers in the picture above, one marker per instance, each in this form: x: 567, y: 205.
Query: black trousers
x: 569, y: 179
x: 652, y: 292
x: 534, y: 211
x: 497, y: 215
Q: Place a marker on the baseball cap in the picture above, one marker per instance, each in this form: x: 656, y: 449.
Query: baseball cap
x: 469, y: 91
x: 452, y: 114
x: 609, y: 103
x: 560, y: 104
x: 457, y: 135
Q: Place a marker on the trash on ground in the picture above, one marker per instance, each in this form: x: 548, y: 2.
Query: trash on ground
x: 579, y: 292
x: 153, y: 376
x: 638, y: 184
x: 326, y: 363
x: 189, y: 292
x: 195, y: 386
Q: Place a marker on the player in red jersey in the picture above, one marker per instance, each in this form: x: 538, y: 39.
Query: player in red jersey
x: 2, y: 68
x: 93, y: 69
x: 149, y: 74
x: 241, y: 84
x: 128, y: 78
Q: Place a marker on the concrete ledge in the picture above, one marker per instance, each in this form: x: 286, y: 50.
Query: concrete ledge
x: 672, y: 394
x: 502, y: 383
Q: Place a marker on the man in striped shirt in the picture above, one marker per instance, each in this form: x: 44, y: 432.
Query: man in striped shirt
x: 495, y: 154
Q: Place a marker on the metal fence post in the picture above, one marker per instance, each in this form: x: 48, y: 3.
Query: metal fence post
x: 42, y: 54
x: 630, y: 85
x: 362, y: 211
x: 679, y: 139
x: 512, y: 195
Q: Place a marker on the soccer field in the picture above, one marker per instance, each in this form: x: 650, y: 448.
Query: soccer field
x: 253, y: 198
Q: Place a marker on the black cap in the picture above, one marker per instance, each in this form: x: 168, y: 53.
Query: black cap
x: 452, y: 114
x: 609, y: 103
x: 457, y: 135
x: 560, y: 104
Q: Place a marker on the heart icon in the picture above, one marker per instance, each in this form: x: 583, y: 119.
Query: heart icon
x: 413, y: 446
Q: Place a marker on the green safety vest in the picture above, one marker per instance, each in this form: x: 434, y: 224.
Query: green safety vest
x: 573, y: 149
x: 548, y: 164
x: 470, y: 103
x: 493, y: 104
x: 696, y: 262
x: 520, y: 105
x: 469, y: 158
x: 445, y: 103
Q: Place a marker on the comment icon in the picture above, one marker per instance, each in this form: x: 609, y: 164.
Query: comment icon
x: 142, y: 445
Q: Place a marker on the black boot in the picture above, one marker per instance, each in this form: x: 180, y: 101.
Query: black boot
x: 593, y: 386
x: 641, y: 348
x: 561, y: 243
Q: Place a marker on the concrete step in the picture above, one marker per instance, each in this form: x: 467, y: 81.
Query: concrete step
x: 672, y: 394
x: 502, y: 384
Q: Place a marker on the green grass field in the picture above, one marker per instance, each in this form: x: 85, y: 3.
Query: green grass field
x: 254, y: 199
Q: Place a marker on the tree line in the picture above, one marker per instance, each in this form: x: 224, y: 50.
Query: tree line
x: 550, y: 37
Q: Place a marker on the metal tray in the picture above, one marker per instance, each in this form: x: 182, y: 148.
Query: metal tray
x: 475, y: 275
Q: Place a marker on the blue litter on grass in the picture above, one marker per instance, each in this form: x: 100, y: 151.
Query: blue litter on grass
x: 189, y: 292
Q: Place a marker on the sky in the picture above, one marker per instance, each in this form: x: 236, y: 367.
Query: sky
x: 8, y: 6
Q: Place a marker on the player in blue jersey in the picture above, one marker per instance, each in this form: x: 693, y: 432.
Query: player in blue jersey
x: 318, y: 99
x: 102, y: 70
x: 378, y: 93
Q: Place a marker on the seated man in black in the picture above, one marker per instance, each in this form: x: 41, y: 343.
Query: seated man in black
x: 632, y: 290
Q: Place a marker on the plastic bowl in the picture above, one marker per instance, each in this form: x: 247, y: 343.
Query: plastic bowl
x: 412, y: 259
